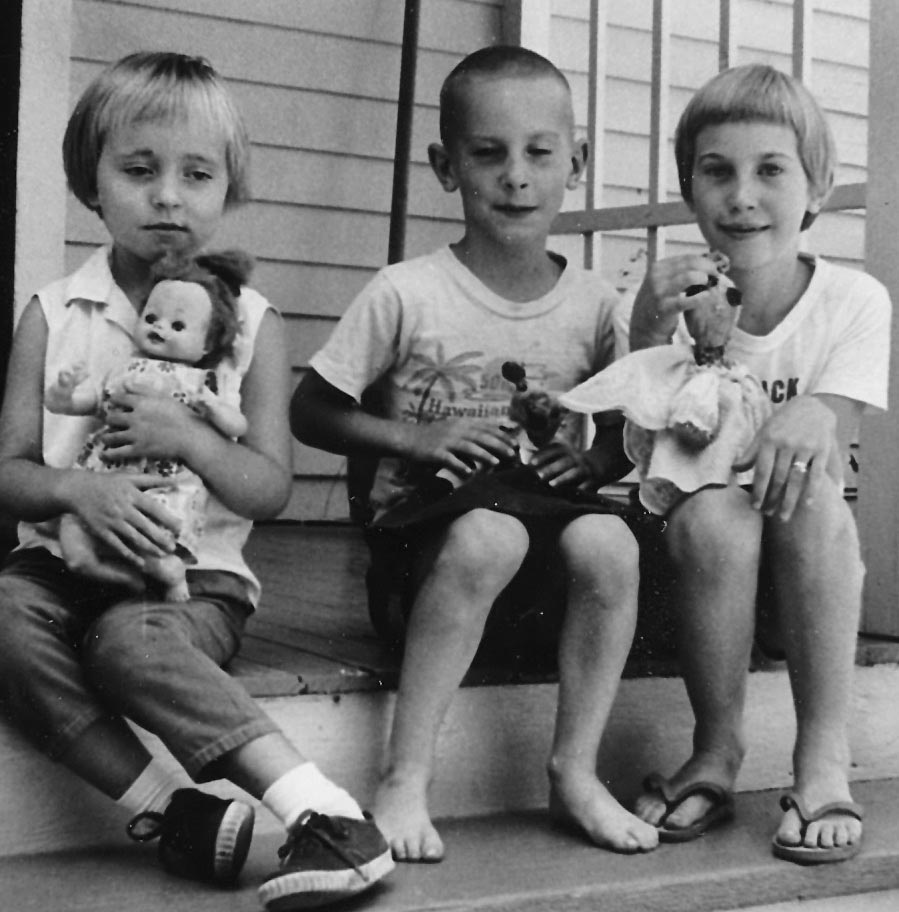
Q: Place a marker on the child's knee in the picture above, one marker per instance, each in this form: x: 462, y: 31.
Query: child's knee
x: 820, y: 530
x: 484, y: 544
x: 119, y: 653
x: 716, y: 525
x: 601, y: 545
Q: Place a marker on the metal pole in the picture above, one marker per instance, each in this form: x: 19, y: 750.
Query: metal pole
x: 405, y: 103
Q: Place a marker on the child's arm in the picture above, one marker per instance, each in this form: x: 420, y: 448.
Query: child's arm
x: 322, y: 416
x: 251, y: 476
x: 72, y: 393
x: 111, y: 506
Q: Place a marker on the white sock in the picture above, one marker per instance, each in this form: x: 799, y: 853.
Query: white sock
x: 152, y: 790
x: 304, y: 789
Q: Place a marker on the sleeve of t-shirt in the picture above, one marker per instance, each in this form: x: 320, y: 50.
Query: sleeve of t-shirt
x: 858, y: 365
x: 364, y: 344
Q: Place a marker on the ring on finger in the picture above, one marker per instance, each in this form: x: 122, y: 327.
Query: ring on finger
x: 799, y: 465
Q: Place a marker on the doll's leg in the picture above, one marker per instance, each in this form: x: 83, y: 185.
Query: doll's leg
x: 818, y: 573
x: 602, y: 563
x: 172, y: 573
x: 474, y: 561
x: 714, y: 538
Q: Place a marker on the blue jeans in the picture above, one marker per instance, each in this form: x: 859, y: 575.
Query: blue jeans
x: 74, y: 651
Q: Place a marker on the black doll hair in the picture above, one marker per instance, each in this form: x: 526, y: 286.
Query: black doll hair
x: 222, y: 274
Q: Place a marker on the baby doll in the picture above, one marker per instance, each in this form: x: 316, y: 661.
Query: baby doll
x: 690, y: 412
x: 188, y: 324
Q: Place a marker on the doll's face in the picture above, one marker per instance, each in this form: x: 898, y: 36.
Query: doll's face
x: 174, y: 322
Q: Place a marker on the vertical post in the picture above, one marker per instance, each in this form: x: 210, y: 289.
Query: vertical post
x: 596, y: 82
x: 526, y: 23
x: 43, y: 112
x: 399, y: 203
x: 658, y: 121
x: 727, y: 34
x: 802, y: 45
x: 878, y: 503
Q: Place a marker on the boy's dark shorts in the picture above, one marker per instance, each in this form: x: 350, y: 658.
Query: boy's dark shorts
x: 524, y: 625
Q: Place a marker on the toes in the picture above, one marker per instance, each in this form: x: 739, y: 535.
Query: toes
x: 790, y: 831
x: 689, y: 811
x: 643, y: 839
x: 432, y: 848
x: 649, y: 809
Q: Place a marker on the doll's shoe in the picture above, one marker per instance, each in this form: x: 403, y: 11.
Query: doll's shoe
x: 810, y: 855
x: 201, y: 837
x: 326, y: 859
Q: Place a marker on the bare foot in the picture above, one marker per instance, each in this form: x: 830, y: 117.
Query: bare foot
x: 401, y: 811
x: 580, y: 798
x: 699, y: 768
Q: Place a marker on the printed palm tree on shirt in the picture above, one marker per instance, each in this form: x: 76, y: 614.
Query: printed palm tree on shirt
x: 446, y: 373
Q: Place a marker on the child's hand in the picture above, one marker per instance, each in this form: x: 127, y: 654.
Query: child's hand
x: 661, y: 298
x: 60, y: 396
x: 560, y: 466
x: 72, y: 376
x: 115, y: 510
x: 793, y: 452
x: 460, y: 443
x: 153, y: 427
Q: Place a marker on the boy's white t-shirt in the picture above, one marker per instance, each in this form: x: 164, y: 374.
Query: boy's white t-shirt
x: 91, y: 321
x: 435, y: 337
x: 835, y: 340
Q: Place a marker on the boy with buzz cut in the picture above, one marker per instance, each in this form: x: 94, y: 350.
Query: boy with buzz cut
x: 434, y: 333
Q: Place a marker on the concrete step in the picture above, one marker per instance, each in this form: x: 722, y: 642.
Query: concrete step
x: 514, y: 862
x: 878, y: 901
x: 492, y: 751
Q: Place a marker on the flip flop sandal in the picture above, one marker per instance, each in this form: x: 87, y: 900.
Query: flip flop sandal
x: 809, y: 855
x: 721, y: 811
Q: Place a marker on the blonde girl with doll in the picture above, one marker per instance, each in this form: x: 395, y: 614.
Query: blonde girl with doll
x: 756, y: 163
x: 156, y: 147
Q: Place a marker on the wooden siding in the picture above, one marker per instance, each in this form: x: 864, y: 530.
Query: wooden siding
x: 839, y: 79
x: 317, y: 81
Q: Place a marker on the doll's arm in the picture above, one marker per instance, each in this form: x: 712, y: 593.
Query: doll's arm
x: 228, y: 419
x: 72, y: 393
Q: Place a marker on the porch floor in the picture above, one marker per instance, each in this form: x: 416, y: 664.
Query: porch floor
x: 312, y: 633
x: 532, y: 867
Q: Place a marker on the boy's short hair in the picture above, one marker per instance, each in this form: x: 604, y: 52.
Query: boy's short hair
x: 151, y: 86
x: 757, y: 92
x: 493, y: 61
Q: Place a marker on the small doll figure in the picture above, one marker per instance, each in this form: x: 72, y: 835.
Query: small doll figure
x: 691, y: 413
x: 536, y: 413
x: 188, y: 324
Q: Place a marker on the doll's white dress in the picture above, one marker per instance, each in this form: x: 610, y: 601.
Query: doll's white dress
x: 686, y: 423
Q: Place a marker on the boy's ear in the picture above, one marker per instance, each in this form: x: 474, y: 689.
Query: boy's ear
x: 579, y: 154
x: 442, y: 166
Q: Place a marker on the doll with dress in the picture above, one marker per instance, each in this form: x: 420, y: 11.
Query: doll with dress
x: 690, y: 412
x: 187, y: 326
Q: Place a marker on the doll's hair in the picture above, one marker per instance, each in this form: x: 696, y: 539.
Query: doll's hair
x: 499, y: 60
x: 222, y: 274
x: 152, y: 86
x: 759, y: 93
